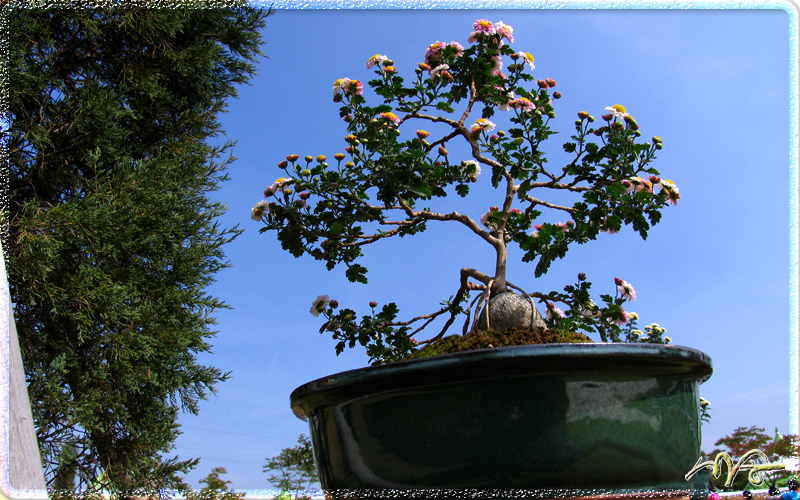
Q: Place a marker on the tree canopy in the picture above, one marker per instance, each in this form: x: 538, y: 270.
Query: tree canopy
x: 111, y: 238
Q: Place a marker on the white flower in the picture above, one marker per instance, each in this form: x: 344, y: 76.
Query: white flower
x: 627, y: 291
x: 527, y: 58
x: 618, y: 110
x: 376, y: 59
x: 259, y: 209
x: 472, y: 169
x: 319, y: 305
x: 438, y: 69
x: 505, y: 107
x: 482, y: 124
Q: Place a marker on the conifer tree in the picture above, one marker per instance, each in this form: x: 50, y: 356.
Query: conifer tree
x: 111, y: 238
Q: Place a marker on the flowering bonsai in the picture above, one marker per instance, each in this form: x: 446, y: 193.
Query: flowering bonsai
x: 372, y: 191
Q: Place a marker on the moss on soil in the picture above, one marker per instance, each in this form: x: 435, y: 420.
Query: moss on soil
x: 491, y: 338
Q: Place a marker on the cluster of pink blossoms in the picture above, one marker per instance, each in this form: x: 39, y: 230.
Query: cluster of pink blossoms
x: 636, y: 184
x: 346, y: 86
x: 484, y: 28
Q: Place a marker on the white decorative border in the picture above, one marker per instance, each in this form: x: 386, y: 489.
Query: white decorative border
x: 790, y: 6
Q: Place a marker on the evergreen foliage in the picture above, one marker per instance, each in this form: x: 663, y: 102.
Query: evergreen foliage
x: 111, y: 238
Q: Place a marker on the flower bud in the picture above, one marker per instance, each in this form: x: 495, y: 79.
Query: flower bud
x: 442, y: 151
x: 349, y: 149
x: 494, y: 138
x: 324, y: 165
x: 373, y: 304
x: 287, y: 191
x: 551, y: 114
x: 578, y: 123
x: 337, y: 98
x: 550, y: 82
x: 304, y: 195
x: 542, y: 84
x: 306, y: 172
x: 388, y: 62
x: 334, y: 304
x: 389, y: 69
x: 350, y: 138
x: 618, y: 125
x: 638, y: 133
x: 581, y: 276
x: 657, y: 140
x: 518, y: 141
x: 608, y: 117
x: 348, y: 118
x: 423, y: 66
x: 591, y: 118
x: 282, y: 164
x: 309, y: 159
x: 320, y: 158
x: 599, y: 131
x: 339, y: 156
x: 556, y: 95
x: 659, y: 146
x: 583, y: 115
x: 349, y: 164
x: 293, y: 158
x: 501, y: 133
x: 422, y: 134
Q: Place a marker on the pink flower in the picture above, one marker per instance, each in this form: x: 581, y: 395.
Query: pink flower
x: 354, y: 87
x: 482, y: 124
x: 319, y: 305
x: 432, y: 55
x: 497, y: 65
x: 674, y: 196
x: 624, y: 318
x: 484, y: 26
x: 347, y: 86
x: 390, y: 116
x: 459, y: 48
x: 523, y: 104
x: 625, y: 289
x: 554, y: 312
x: 376, y: 59
x: 505, y: 31
x: 563, y: 226
x: 638, y: 184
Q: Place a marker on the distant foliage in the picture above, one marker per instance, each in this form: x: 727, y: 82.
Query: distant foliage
x: 744, y: 439
x: 215, y: 488
x: 293, y: 469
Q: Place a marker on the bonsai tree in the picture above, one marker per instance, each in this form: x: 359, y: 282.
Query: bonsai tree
x: 373, y: 191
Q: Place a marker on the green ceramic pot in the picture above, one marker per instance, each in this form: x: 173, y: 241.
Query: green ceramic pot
x: 584, y: 417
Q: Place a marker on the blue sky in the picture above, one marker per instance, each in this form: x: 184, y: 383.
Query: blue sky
x: 715, y: 272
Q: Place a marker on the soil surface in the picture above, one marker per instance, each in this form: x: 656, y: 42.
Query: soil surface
x: 490, y: 338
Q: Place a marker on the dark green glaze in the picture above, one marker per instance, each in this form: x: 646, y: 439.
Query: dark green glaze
x: 575, y: 416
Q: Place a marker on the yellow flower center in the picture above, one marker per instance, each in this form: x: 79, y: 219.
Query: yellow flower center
x: 619, y: 107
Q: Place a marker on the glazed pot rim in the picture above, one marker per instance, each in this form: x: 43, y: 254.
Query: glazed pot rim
x: 595, y: 351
